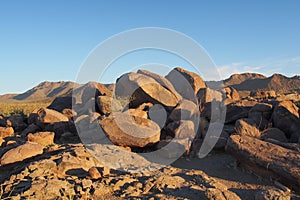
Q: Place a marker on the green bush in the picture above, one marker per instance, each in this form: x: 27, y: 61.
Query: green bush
x: 298, y: 104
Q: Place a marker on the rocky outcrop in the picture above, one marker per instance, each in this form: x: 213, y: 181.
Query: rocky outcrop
x: 266, y: 158
x: 263, y: 94
x: 149, y: 123
x: 17, y: 122
x: 90, y: 90
x: 231, y: 94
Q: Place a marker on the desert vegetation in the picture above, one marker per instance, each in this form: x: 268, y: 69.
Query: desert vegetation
x: 25, y: 108
x: 298, y: 104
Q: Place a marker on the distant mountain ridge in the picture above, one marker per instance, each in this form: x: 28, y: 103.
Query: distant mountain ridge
x: 236, y: 79
x: 276, y: 82
x: 241, y: 82
x: 43, y: 91
x: 255, y: 81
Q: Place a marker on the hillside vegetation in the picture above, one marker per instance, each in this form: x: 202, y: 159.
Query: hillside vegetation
x: 9, y: 108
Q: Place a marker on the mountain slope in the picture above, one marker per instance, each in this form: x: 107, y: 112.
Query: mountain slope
x: 277, y: 82
x: 236, y: 79
x: 43, y: 91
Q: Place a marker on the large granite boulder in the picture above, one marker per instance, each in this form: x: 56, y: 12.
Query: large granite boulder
x: 286, y: 118
x: 142, y: 89
x: 162, y: 81
x: 133, y: 131
x: 186, y: 83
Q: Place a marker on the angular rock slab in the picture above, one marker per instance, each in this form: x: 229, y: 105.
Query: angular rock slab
x: 124, y: 130
x: 266, y: 158
x: 21, y: 153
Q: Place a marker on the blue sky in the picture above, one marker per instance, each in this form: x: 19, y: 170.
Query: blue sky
x: 49, y: 40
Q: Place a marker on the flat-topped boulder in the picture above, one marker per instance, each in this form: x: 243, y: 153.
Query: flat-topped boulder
x: 20, y: 153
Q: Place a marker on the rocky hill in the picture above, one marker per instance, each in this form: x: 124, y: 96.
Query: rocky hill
x: 252, y: 82
x: 277, y: 82
x: 236, y: 79
x: 42, y: 92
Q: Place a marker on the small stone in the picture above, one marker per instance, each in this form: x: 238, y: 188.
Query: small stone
x: 86, y: 183
x: 6, y: 132
x: 94, y: 173
x: 1, y: 141
x: 42, y: 138
x: 78, y: 189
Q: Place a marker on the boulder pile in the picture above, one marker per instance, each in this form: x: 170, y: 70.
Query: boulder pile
x: 145, y: 112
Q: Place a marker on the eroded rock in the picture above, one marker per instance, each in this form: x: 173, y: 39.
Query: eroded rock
x: 21, y: 153
x: 266, y: 158
x: 130, y: 131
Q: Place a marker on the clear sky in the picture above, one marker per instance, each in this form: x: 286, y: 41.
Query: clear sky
x: 49, y: 40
